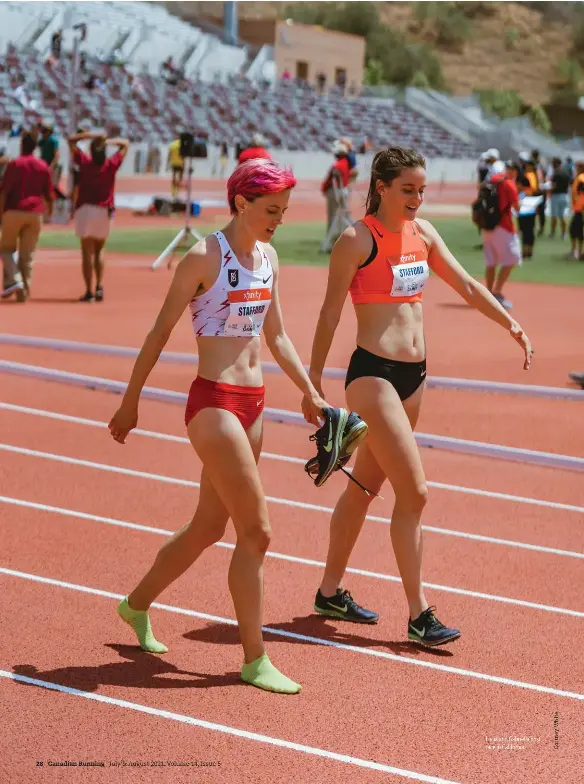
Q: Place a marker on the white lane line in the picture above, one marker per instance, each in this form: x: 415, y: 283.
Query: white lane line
x: 309, y: 639
x: 521, y: 499
x: 225, y: 729
x: 284, y: 501
x: 289, y: 459
x: 291, y: 558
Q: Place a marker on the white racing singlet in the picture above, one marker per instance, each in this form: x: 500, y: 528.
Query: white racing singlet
x: 237, y: 303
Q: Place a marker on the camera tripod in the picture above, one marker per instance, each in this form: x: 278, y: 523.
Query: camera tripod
x: 184, y: 239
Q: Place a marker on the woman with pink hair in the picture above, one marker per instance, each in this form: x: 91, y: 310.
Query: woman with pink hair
x: 229, y: 280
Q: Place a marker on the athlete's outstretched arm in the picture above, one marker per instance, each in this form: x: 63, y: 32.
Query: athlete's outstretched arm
x: 188, y: 276
x: 283, y: 351
x: 350, y: 250
x: 443, y: 263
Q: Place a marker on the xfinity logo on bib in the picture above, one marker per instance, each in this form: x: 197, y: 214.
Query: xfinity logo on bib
x: 252, y: 295
x: 408, y: 257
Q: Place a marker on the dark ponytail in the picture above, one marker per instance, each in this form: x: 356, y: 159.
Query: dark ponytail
x: 387, y: 165
x: 97, y: 150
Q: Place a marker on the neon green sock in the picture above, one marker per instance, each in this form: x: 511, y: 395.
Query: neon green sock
x: 264, y: 675
x: 140, y: 623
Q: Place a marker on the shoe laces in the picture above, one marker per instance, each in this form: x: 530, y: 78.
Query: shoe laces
x: 352, y: 478
x: 348, y: 599
x: 320, y: 437
x: 430, y: 619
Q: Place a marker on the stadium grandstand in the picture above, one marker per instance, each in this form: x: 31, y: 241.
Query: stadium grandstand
x: 143, y: 73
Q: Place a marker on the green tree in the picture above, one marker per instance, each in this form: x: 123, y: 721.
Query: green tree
x: 389, y: 58
x: 538, y: 116
x: 444, y: 23
x: 503, y: 103
x: 373, y: 75
x: 420, y: 80
x: 401, y: 60
x: 358, y: 18
x: 567, y: 85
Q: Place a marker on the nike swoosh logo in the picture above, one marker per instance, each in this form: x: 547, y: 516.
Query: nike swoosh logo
x: 329, y: 446
x: 336, y: 607
x: 377, y: 232
x: 420, y: 633
x: 265, y: 280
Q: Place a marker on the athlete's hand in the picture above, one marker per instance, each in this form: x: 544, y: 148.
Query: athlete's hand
x: 124, y: 420
x: 519, y: 335
x: 312, y: 406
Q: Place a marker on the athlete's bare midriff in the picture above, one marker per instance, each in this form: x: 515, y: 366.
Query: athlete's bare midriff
x: 231, y: 360
x: 392, y: 330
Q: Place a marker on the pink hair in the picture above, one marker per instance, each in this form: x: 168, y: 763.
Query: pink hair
x: 258, y: 177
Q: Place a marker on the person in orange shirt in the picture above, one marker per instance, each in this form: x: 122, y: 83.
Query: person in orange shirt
x: 577, y: 224
x: 528, y: 185
x: 384, y: 262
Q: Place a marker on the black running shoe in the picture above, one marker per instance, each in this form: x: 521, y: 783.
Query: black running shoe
x: 428, y: 631
x: 343, y: 606
x: 87, y: 297
x: 578, y: 378
x: 328, y: 443
x: 99, y: 294
x: 355, y: 430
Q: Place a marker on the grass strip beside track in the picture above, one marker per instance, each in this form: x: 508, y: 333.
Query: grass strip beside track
x: 299, y: 244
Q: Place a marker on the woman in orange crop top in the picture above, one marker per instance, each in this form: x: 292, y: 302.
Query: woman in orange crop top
x: 384, y: 262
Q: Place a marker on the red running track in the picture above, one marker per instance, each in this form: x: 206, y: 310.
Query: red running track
x: 367, y: 694
x: 439, y: 719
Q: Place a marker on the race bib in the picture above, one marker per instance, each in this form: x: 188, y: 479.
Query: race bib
x: 409, y: 277
x: 247, y: 311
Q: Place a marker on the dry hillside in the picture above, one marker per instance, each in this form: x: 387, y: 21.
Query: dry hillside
x: 541, y: 32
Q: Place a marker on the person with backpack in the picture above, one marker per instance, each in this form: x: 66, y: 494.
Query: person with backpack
x: 498, y: 197
x: 484, y: 165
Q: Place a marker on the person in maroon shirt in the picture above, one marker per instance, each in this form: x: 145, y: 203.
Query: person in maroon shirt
x: 26, y: 193
x: 94, y: 203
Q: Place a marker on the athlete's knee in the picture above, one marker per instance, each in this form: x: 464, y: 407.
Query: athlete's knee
x: 255, y: 537
x: 412, y: 498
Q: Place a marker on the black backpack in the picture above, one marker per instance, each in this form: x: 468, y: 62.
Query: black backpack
x: 485, y: 210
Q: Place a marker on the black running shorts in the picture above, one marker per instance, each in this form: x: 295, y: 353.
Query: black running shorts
x: 405, y: 377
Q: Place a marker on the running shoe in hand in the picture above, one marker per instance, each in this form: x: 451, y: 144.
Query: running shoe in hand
x: 336, y: 441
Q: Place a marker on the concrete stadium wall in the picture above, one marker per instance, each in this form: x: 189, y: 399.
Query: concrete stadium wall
x: 306, y: 165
